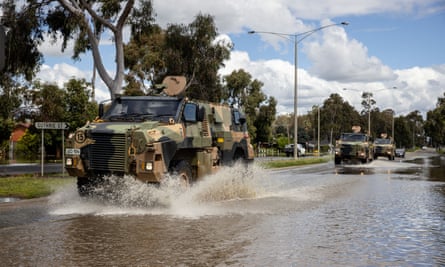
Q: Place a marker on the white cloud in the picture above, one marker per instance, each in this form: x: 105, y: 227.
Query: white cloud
x: 338, y: 58
x: 53, y: 48
x: 234, y: 16
x: 59, y: 74
x: 417, y: 88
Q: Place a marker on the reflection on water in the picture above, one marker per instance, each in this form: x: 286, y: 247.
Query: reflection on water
x: 388, y: 213
x: 389, y: 218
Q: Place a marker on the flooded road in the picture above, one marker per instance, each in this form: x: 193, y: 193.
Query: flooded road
x: 386, y: 213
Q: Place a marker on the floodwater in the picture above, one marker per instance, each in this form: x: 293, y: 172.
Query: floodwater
x: 386, y: 213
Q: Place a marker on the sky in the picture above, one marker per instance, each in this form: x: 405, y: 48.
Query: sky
x: 393, y: 49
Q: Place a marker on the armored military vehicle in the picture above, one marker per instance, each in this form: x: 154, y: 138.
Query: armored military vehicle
x: 154, y: 135
x: 384, y: 147
x: 354, y: 147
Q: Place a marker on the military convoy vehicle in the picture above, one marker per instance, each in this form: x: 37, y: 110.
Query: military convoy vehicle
x: 354, y: 147
x: 151, y: 136
x: 384, y: 147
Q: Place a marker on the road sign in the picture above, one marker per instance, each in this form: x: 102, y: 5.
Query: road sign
x: 51, y: 125
x: 55, y: 126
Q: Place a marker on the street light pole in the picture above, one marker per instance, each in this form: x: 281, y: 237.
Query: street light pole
x: 392, y: 125
x: 369, y: 114
x: 295, y: 38
x: 318, y: 133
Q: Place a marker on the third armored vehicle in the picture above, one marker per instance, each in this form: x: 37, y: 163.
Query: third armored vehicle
x: 384, y: 147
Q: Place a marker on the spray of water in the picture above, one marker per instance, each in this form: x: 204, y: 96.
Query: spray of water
x: 126, y: 195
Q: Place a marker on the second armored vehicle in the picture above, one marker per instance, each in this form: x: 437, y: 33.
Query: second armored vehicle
x: 353, y: 147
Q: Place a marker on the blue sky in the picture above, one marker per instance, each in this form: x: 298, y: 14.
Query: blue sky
x: 398, y: 43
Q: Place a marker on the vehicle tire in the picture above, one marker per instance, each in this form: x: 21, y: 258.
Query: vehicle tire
x: 238, y: 157
x: 337, y: 160
x: 85, y: 186
x: 183, y: 172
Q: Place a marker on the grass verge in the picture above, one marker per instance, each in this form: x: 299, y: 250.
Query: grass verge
x: 28, y: 186
x: 295, y: 162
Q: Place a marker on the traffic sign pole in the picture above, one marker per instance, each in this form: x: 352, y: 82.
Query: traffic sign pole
x: 42, y: 150
x: 54, y: 126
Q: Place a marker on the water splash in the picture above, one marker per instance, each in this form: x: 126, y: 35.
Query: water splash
x: 126, y: 195
x: 230, y: 183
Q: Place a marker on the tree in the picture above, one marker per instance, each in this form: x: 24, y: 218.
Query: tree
x: 264, y: 120
x: 85, y: 21
x: 337, y: 116
x: 435, y: 123
x: 237, y: 86
x: 143, y: 54
x: 79, y: 108
x: 21, y: 61
x: 22, y: 58
x: 50, y: 99
x: 415, y: 122
x: 28, y: 146
x: 402, y: 132
x: 193, y: 52
x: 186, y: 50
x: 240, y: 91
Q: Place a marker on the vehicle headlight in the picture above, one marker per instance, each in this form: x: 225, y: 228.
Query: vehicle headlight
x: 69, y: 162
x: 149, y: 166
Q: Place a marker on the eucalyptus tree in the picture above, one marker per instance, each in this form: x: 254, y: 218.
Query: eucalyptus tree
x: 23, y: 35
x: 21, y: 60
x: 264, y: 120
x: 78, y: 107
x: 194, y: 51
x: 435, y: 123
x: 337, y: 116
x: 241, y: 91
x: 189, y: 50
x: 415, y: 122
x: 86, y: 22
x: 403, y: 132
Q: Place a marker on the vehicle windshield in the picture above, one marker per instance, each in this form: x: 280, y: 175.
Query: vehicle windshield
x: 138, y: 109
x: 353, y: 137
x: 382, y: 141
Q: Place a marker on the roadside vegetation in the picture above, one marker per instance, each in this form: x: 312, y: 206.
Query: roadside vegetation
x: 30, y: 186
x: 295, y: 162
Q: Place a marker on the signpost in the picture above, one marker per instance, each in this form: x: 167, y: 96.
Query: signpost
x: 52, y: 126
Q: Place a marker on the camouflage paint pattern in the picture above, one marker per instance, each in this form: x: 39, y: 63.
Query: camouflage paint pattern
x: 351, y: 150
x: 150, y: 149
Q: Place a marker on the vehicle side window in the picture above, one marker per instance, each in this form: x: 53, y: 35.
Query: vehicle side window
x: 190, y: 112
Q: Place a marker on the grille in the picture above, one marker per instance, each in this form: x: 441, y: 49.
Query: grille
x: 346, y: 149
x: 379, y: 149
x: 107, y: 154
